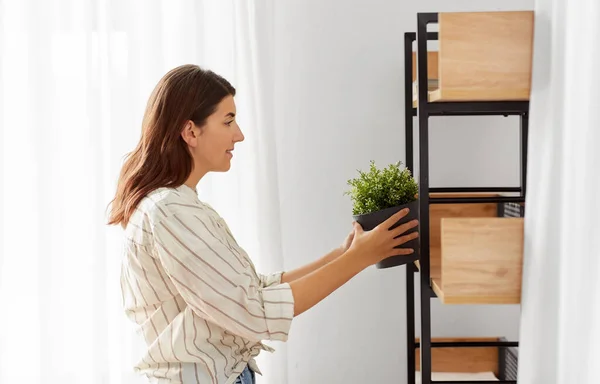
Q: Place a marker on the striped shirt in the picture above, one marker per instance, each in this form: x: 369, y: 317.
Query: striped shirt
x: 194, y: 294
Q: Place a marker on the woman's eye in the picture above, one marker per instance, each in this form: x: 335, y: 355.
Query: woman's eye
x: 229, y: 122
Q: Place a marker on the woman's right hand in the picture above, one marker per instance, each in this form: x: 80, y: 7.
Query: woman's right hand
x: 380, y: 242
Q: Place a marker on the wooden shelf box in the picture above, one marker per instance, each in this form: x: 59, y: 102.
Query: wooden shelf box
x: 483, y: 56
x: 475, y: 256
x: 463, y: 359
x: 481, y: 260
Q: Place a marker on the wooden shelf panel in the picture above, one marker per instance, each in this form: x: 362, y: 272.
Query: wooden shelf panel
x: 432, y: 66
x: 439, y: 211
x: 483, y: 56
x: 436, y: 285
x: 432, y: 73
x: 481, y: 261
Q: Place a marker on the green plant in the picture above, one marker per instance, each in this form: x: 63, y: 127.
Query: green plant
x: 381, y: 188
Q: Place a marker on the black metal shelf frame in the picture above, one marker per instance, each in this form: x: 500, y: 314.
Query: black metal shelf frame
x: 424, y: 111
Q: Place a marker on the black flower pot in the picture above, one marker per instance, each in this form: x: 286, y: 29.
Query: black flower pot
x: 371, y: 220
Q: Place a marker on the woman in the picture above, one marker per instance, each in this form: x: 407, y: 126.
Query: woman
x: 200, y: 305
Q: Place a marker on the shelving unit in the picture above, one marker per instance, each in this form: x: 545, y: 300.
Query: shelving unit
x: 471, y: 239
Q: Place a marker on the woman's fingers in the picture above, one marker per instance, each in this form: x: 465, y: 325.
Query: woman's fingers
x: 404, y: 227
x: 403, y: 251
x: 358, y: 229
x: 387, y: 224
x: 406, y: 238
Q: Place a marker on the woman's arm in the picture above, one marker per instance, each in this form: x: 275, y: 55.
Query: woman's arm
x: 298, y: 273
x: 295, y: 274
x: 367, y: 249
x: 317, y: 285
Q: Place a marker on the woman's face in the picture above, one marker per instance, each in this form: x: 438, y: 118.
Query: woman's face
x: 212, y: 145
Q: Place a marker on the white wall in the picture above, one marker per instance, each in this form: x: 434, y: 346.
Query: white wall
x: 338, y: 104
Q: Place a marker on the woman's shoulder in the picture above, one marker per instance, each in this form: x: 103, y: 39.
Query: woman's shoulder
x: 167, y: 202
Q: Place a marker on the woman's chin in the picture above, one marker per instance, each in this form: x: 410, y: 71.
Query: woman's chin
x: 224, y: 167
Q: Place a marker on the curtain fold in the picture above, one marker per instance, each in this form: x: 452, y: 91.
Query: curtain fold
x: 75, y: 78
x: 560, y: 336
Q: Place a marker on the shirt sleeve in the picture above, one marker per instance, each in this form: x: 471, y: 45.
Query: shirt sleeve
x: 270, y: 279
x: 213, y: 282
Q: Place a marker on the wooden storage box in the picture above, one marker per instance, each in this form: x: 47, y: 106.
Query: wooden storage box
x: 462, y: 359
x: 502, y: 362
x: 481, y: 260
x: 475, y: 256
x: 483, y: 56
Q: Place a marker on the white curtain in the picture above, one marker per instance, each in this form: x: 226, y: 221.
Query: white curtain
x: 75, y: 76
x: 560, y: 324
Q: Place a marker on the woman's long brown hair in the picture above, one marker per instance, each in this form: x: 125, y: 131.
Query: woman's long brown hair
x: 161, y: 158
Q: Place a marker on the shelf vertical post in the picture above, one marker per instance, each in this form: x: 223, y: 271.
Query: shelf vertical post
x: 524, y: 132
x: 408, y: 105
x: 409, y: 159
x: 410, y: 323
x: 423, y: 19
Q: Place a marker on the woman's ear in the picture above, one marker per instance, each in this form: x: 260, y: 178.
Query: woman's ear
x: 190, y: 133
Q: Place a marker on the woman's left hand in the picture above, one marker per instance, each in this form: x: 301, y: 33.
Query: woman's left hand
x: 348, y: 242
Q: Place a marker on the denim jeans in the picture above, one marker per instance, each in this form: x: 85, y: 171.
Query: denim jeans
x: 247, y: 377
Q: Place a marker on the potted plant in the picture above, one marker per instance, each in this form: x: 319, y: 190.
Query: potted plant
x: 379, y: 193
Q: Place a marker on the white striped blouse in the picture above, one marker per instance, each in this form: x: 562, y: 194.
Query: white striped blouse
x: 195, y: 295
